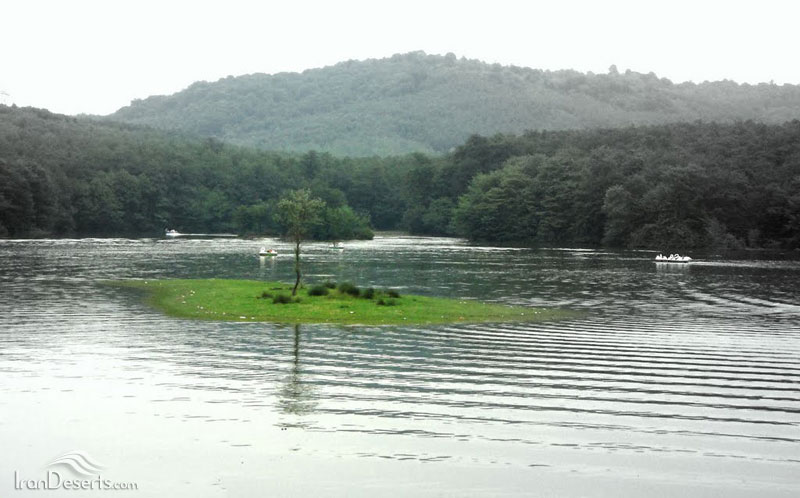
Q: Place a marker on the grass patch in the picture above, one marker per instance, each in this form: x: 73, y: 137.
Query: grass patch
x: 246, y: 300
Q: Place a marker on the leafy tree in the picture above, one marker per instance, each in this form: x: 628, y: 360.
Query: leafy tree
x: 17, y: 210
x: 438, y: 216
x: 298, y: 212
x: 255, y: 219
x: 621, y: 212
x: 342, y: 223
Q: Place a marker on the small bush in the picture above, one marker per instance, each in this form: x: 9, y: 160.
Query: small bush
x: 392, y: 293
x: 265, y: 295
x: 349, y: 288
x: 282, y: 299
x: 329, y: 284
x: 381, y: 302
x: 368, y: 293
x: 318, y: 290
x: 391, y: 302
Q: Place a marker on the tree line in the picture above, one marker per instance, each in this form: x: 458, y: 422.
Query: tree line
x: 65, y: 176
x: 669, y: 186
x: 666, y: 186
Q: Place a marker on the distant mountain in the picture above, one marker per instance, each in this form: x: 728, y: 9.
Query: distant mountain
x: 430, y: 103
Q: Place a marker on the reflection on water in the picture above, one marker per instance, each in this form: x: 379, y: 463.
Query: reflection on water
x: 680, y: 381
x: 296, y: 397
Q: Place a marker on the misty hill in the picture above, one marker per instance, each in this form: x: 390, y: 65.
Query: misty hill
x: 430, y: 103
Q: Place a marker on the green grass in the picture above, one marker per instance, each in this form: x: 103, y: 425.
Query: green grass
x: 241, y: 300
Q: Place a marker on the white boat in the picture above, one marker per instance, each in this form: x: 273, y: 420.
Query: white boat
x: 336, y: 247
x: 673, y: 258
x: 267, y: 252
x: 171, y: 233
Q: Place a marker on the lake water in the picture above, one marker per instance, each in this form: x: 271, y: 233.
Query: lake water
x: 675, y: 381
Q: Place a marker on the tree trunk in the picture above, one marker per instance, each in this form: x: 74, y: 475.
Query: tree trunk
x: 296, y: 265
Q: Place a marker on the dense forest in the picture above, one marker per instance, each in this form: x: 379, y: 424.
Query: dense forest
x: 61, y: 175
x: 425, y: 103
x: 667, y: 187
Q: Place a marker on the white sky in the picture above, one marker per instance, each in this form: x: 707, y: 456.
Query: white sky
x: 86, y: 56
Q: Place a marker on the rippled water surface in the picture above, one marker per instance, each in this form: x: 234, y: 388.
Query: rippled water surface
x: 675, y: 381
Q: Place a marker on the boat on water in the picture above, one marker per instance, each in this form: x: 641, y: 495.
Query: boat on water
x: 672, y: 258
x: 267, y: 252
x: 336, y: 247
x: 174, y: 233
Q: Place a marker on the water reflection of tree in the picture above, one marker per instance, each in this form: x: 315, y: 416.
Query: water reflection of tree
x: 296, y: 397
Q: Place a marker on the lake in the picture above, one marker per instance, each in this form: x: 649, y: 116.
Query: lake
x: 674, y: 381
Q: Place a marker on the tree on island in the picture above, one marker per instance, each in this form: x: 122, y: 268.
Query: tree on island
x: 298, y: 212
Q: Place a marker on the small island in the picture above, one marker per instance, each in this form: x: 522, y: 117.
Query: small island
x: 258, y: 301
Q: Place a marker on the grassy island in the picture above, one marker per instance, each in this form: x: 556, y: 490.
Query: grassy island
x: 252, y: 300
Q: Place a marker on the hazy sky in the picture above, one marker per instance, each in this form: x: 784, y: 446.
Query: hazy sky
x: 82, y: 56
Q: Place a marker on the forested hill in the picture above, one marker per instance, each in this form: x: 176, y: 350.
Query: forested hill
x: 427, y: 103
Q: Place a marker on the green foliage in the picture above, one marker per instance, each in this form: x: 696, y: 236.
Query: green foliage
x: 255, y: 219
x: 673, y: 186
x: 297, y: 213
x: 437, y: 217
x: 61, y: 175
x: 349, y: 288
x: 368, y: 293
x: 502, y: 205
x: 342, y: 223
x: 282, y: 299
x: 318, y: 290
x: 668, y: 186
x: 428, y: 103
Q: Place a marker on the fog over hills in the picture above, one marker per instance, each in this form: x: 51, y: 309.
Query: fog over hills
x: 431, y: 103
